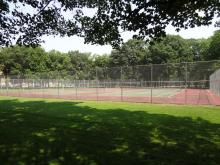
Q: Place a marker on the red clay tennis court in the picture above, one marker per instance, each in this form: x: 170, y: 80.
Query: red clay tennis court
x: 142, y: 95
x: 192, y: 83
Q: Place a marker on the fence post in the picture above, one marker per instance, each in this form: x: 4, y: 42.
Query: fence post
x: 7, y: 83
x: 13, y: 89
x: 19, y: 81
x: 186, y: 82
x: 58, y: 89
x: 217, y: 84
x: 1, y: 86
x: 121, y: 84
x: 151, y: 84
x: 24, y: 86
x: 97, y: 84
x: 42, y: 88
x: 75, y: 88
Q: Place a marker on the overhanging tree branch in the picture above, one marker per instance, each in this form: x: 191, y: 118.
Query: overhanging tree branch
x: 146, y: 18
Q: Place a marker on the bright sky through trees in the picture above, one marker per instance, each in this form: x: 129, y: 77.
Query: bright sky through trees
x: 75, y: 43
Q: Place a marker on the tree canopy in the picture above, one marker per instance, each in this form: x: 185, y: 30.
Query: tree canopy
x: 133, y: 52
x: 26, y: 21
x: 214, y: 47
x: 21, y: 60
x: 171, y: 49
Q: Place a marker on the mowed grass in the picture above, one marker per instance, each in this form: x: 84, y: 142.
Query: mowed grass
x: 37, y: 131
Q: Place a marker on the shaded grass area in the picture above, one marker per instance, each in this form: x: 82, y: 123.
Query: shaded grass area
x: 36, y: 131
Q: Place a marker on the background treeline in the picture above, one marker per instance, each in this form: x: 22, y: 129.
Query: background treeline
x: 19, y: 60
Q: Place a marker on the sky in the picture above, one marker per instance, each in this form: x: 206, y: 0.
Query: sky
x: 66, y: 44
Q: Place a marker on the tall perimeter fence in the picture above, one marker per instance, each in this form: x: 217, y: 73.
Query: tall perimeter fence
x: 195, y: 83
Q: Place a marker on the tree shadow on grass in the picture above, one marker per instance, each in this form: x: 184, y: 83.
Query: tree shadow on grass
x: 38, y: 132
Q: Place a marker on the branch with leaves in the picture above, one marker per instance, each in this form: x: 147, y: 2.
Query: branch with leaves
x: 25, y: 21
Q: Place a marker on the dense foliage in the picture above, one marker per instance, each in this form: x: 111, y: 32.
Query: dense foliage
x: 99, y: 21
x: 21, y: 60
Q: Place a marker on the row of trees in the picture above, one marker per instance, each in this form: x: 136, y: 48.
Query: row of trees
x: 20, y: 60
x: 170, y: 49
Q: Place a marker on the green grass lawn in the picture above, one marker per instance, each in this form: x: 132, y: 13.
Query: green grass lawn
x: 37, y: 131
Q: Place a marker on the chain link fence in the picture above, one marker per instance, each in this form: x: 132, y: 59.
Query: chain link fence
x: 215, y: 82
x: 176, y: 83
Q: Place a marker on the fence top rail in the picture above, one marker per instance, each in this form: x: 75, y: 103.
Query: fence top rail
x: 150, y: 65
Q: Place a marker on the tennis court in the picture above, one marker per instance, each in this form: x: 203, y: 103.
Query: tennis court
x: 145, y: 95
x: 196, y: 83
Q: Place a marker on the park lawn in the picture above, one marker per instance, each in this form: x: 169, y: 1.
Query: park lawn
x: 38, y: 131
